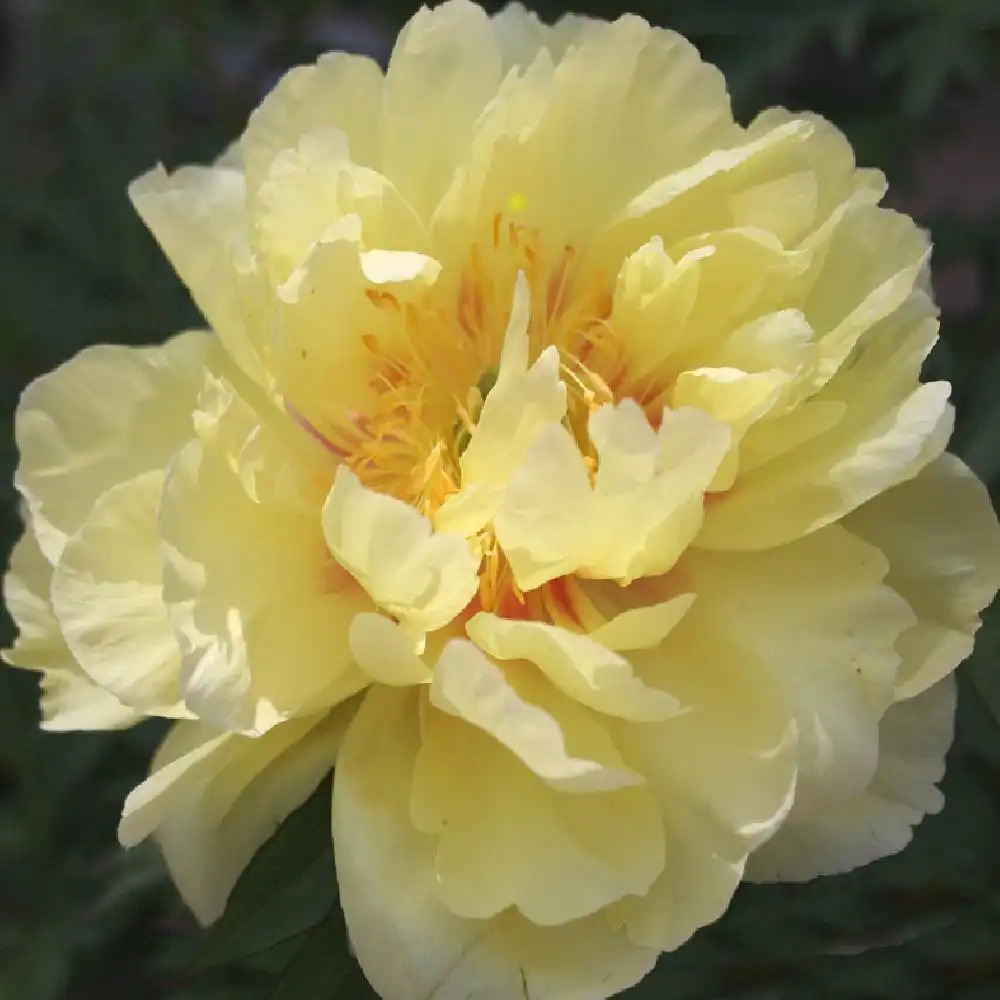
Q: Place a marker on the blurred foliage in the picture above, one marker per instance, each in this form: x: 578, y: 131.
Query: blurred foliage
x: 92, y: 93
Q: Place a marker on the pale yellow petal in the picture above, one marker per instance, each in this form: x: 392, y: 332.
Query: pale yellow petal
x: 559, y: 742
x: 443, y: 70
x: 724, y: 773
x: 422, y: 577
x: 212, y: 800
x: 642, y: 627
x: 523, y: 401
x: 388, y: 889
x: 940, y: 534
x: 313, y: 186
x: 385, y: 653
x: 341, y: 91
x: 70, y: 700
x: 645, y: 507
x: 914, y: 737
x: 576, y: 664
x: 513, y: 840
x: 107, y: 592
x: 197, y: 216
x: 889, y: 427
x: 106, y: 415
x: 827, y: 640
x: 260, y: 608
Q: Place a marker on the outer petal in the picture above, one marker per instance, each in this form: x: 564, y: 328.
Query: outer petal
x: 885, y: 428
x: 940, y: 534
x: 824, y: 629
x: 914, y: 737
x: 385, y: 868
x: 105, y: 416
x: 70, y: 699
x: 341, y: 91
x: 511, y: 840
x: 260, y: 609
x: 443, y: 70
x: 198, y: 218
x: 212, y: 799
x: 723, y: 772
x: 423, y: 577
x: 107, y: 591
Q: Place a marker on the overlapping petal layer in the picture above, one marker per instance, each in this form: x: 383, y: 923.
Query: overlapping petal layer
x: 558, y: 468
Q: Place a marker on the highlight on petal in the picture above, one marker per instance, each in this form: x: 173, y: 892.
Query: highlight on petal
x: 388, y: 889
x: 420, y: 576
x: 385, y: 653
x: 469, y: 686
x: 578, y: 665
x: 914, y: 736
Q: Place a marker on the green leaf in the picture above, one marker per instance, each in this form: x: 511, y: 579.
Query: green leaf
x: 288, y: 888
x: 322, y: 968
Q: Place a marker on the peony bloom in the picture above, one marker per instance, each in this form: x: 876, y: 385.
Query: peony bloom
x: 557, y: 467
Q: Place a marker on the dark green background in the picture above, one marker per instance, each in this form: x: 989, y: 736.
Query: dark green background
x: 92, y: 93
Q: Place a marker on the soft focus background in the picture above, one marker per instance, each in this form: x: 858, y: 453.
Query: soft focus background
x: 93, y: 92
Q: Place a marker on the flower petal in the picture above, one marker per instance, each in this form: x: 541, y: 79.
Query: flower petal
x: 724, y: 774
x: 576, y: 664
x: 513, y: 840
x: 889, y: 427
x: 424, y: 578
x: 914, y: 737
x: 826, y: 639
x: 939, y: 533
x: 388, y: 890
x: 197, y: 216
x: 443, y: 70
x: 260, y: 609
x: 213, y: 799
x: 106, y: 415
x: 107, y: 591
x: 341, y: 91
x: 559, y: 742
x: 645, y: 508
x: 383, y: 651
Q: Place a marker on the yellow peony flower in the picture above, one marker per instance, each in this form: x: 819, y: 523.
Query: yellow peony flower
x: 558, y: 466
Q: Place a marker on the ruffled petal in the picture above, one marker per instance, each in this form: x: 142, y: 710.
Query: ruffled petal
x: 823, y: 631
x: 388, y: 890
x: 105, y: 416
x: 213, y: 799
x: 914, y: 737
x: 513, y: 840
x: 260, y: 608
x: 422, y: 577
x: 576, y: 664
x: 939, y: 533
x: 553, y: 737
x: 107, y: 591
